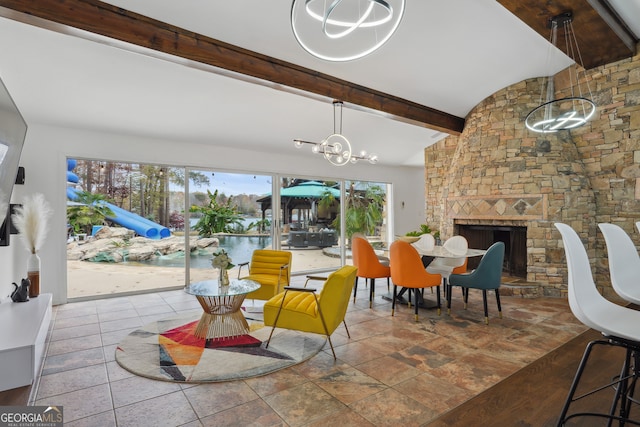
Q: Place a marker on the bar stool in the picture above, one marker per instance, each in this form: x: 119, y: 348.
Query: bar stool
x: 624, y: 262
x: 618, y: 325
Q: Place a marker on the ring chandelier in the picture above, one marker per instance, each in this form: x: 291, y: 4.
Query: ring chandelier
x: 344, y: 30
x: 573, y: 111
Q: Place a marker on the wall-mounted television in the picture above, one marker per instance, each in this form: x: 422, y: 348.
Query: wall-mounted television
x: 13, y: 130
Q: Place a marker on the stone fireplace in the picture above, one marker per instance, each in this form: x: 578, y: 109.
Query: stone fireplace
x: 497, y: 173
x: 499, y: 177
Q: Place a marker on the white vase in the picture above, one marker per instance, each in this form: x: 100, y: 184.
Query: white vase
x: 33, y: 274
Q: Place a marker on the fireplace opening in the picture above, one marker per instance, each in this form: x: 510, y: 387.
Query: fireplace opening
x: 515, y: 245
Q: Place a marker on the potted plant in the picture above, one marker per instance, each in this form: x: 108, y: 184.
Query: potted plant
x: 31, y: 220
x: 414, y: 235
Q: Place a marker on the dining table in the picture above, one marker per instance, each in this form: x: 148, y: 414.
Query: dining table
x: 442, y: 252
x: 435, y: 252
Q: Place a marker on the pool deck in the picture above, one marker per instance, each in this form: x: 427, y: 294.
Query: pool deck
x: 93, y: 279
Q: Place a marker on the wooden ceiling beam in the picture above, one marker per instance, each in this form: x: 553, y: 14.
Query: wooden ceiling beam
x: 599, y: 43
x: 112, y: 22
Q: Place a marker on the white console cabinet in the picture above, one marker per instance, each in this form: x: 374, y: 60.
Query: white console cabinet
x: 23, y: 331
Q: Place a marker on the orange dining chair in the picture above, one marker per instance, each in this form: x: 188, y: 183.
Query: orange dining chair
x: 408, y: 271
x: 369, y: 266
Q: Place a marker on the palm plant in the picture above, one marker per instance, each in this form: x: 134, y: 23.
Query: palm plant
x: 364, y: 210
x: 216, y: 217
x: 88, y: 210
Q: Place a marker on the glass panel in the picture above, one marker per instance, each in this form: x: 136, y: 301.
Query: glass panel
x: 310, y: 217
x: 124, y: 227
x: 225, y: 213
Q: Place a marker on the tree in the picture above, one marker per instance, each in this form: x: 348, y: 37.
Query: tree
x: 198, y: 179
x: 364, y: 210
x: 216, y: 217
x: 88, y: 210
x: 262, y: 225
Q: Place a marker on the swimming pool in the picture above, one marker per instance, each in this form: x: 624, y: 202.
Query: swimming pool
x: 239, y: 248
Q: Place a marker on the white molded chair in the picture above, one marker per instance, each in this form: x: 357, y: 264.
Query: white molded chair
x: 457, y: 245
x: 446, y: 266
x: 426, y: 243
x: 618, y: 325
x: 624, y: 262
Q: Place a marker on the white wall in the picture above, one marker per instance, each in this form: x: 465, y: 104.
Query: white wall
x: 7, y: 275
x: 47, y: 148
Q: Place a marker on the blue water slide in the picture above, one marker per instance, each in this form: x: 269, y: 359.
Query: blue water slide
x: 135, y: 222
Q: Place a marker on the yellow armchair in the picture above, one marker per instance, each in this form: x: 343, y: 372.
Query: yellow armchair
x: 270, y: 268
x: 303, y: 310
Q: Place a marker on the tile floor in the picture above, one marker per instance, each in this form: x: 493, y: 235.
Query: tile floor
x: 392, y: 371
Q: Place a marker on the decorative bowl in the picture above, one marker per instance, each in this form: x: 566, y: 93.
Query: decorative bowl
x: 408, y: 239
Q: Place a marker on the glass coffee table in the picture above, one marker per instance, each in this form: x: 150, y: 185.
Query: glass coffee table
x: 222, y: 317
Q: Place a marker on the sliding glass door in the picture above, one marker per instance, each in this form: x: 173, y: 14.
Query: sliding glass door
x: 140, y: 227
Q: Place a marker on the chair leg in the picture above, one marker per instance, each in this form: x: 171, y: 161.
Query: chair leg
x: 498, y: 301
x: 388, y: 285
x: 621, y: 387
x: 448, y: 297
x: 415, y: 292
x: 486, y: 308
x: 347, y: 329
x: 372, y: 291
x: 632, y: 387
x: 393, y: 300
x: 324, y: 325
x: 275, y: 322
x: 465, y: 297
x: 437, y: 298
x: 355, y: 289
x: 576, y: 380
x: 331, y: 345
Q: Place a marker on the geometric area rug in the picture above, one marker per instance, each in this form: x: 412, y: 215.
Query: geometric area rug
x: 167, y: 350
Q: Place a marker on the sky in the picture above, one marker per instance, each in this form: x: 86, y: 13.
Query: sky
x: 233, y: 184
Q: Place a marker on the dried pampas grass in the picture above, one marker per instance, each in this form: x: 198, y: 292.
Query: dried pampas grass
x: 4, y: 206
x: 31, y: 221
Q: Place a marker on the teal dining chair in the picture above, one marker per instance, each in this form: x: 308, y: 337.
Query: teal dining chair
x: 487, y: 276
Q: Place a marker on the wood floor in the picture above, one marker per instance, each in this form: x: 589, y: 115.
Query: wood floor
x: 15, y: 397
x: 534, y: 396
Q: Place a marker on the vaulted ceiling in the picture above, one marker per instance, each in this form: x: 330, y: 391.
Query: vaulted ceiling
x: 201, y: 71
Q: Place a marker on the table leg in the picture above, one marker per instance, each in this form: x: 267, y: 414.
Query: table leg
x: 222, y: 318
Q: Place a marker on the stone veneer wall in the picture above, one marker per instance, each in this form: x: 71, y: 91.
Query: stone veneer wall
x: 498, y: 172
